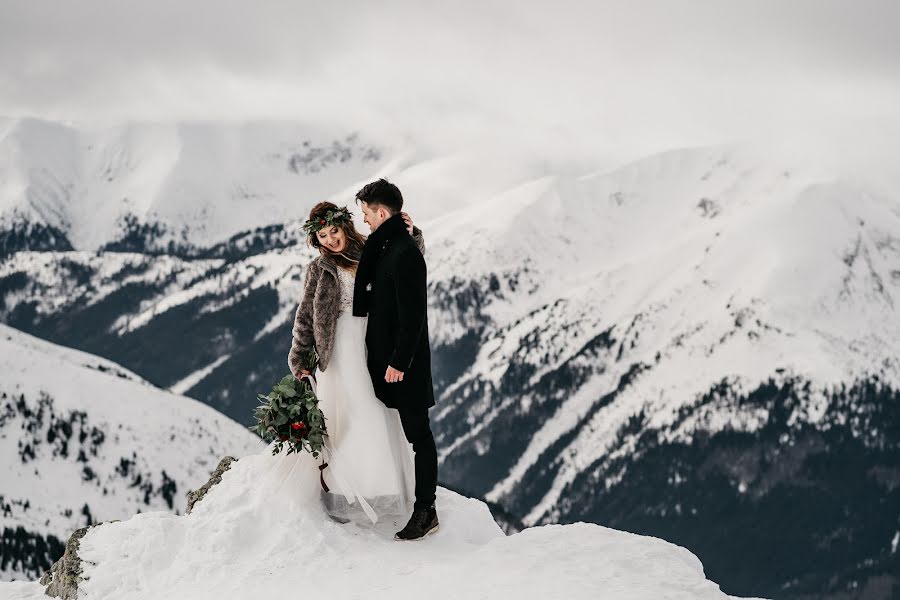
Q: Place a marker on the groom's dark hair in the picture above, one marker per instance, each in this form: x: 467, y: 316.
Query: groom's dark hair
x: 382, y: 192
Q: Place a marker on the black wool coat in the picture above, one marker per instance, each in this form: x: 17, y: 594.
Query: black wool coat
x: 391, y: 287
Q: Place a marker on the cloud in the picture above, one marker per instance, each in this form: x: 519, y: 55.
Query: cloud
x: 579, y: 82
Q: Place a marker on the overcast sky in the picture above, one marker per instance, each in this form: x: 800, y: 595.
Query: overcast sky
x: 572, y: 80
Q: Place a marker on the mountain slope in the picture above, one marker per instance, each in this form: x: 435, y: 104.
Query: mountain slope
x: 87, y: 440
x: 168, y: 186
x: 662, y: 277
x: 608, y: 337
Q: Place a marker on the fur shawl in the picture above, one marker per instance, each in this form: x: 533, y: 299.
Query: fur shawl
x: 316, y: 315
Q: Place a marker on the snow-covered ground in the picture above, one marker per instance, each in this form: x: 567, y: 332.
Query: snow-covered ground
x: 261, y: 533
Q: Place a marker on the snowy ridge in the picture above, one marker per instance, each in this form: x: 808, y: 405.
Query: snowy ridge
x: 191, y: 183
x: 108, y: 272
x: 17, y: 346
x: 261, y: 531
x: 697, y: 264
x: 105, y: 441
x: 126, y: 295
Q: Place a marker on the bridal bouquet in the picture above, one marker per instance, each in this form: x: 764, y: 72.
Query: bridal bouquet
x: 290, y: 413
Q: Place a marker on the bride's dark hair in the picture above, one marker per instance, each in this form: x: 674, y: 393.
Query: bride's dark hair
x: 355, y: 240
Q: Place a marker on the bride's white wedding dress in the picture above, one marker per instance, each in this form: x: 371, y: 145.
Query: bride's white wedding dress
x: 370, y: 473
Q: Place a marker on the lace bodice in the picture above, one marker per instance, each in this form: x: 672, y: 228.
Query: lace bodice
x: 346, y: 280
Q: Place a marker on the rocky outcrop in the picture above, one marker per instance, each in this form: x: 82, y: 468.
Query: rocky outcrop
x: 62, y: 580
x: 193, y: 497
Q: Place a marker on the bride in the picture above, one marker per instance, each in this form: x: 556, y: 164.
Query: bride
x: 368, y: 470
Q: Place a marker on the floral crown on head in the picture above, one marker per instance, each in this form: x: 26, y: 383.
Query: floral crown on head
x: 332, y: 217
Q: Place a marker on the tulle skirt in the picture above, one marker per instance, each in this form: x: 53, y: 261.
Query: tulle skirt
x: 370, y: 473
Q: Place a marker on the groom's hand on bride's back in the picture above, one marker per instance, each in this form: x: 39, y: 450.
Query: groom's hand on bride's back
x: 392, y: 375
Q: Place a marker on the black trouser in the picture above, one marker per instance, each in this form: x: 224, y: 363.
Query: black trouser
x: 417, y: 429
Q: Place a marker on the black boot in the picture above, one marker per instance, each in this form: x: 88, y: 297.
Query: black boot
x: 422, y: 522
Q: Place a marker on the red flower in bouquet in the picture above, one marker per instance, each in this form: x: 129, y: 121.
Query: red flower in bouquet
x: 290, y: 414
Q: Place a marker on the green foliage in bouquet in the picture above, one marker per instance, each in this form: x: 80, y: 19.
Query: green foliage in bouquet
x: 290, y: 413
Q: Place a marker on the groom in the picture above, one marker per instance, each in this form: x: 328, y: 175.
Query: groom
x: 391, y: 288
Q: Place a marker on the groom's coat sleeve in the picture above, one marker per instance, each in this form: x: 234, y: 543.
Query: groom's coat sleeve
x: 411, y: 296
x: 302, y: 336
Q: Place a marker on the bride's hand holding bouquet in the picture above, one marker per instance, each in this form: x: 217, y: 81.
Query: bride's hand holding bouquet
x: 290, y: 413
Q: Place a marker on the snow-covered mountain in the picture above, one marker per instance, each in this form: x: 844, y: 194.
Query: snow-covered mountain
x: 260, y: 531
x: 679, y: 346
x: 86, y: 440
x: 673, y: 347
x: 655, y: 282
x: 167, y: 186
